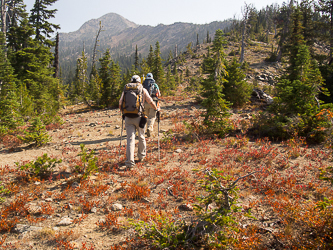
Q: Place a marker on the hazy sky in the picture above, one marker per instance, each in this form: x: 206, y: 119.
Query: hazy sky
x: 72, y: 14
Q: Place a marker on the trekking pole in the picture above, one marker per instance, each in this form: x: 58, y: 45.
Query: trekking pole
x: 121, y: 134
x: 158, y: 134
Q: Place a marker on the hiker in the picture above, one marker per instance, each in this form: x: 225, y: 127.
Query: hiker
x: 154, y: 92
x: 131, y: 105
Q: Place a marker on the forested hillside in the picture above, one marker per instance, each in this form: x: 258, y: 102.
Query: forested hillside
x: 122, y: 37
x: 240, y: 159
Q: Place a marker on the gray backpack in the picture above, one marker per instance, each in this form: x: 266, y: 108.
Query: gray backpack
x: 132, y: 102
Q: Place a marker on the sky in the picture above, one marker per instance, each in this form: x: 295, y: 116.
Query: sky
x: 72, y: 14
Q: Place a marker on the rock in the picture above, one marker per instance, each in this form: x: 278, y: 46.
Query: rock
x: 93, y: 210
x: 75, y: 185
x: 146, y: 200
x: 48, y: 199
x: 101, y: 221
x: 117, y: 127
x: 34, y: 209
x: 178, y: 150
x: 180, y: 199
x: 93, y: 124
x: 22, y: 228
x: 116, y: 207
x: 261, y: 95
x: 37, y: 183
x: 185, y: 207
x: 65, y: 222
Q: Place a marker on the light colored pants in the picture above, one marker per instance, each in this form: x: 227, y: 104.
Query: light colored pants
x: 151, y: 114
x: 132, y: 124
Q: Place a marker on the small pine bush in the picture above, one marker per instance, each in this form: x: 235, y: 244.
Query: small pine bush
x: 36, y: 133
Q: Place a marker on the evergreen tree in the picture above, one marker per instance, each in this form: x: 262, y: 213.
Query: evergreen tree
x: 150, y: 59
x: 11, y: 11
x: 56, y: 57
x: 216, y: 116
x: 32, y: 67
x: 80, y: 84
x: 96, y: 85
x: 9, y: 106
x: 284, y: 34
x: 20, y: 36
x: 40, y: 14
x: 136, y: 58
x: 144, y: 67
x: 296, y: 104
x: 326, y: 8
x: 116, y: 83
x: 157, y: 70
x: 308, y: 23
x: 170, y: 56
x: 104, y: 74
x: 236, y: 90
x: 171, y: 80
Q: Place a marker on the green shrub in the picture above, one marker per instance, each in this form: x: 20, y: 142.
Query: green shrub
x: 36, y: 133
x: 42, y: 167
x: 88, y: 162
x: 3, y: 190
x: 214, y: 227
x: 163, y: 231
x: 316, y: 129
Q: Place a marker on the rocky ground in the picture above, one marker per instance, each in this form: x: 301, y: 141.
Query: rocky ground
x: 65, y: 211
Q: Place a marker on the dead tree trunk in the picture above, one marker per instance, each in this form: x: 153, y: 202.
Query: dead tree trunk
x: 95, y: 46
x: 246, y: 11
x: 3, y: 17
x: 56, y: 58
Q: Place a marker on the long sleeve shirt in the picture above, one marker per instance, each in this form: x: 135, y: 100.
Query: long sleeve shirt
x: 145, y: 98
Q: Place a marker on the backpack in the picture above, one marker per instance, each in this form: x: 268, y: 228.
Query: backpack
x: 150, y: 86
x: 132, y: 102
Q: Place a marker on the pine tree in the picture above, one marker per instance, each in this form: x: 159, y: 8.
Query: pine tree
x: 297, y: 91
x: 171, y: 79
x: 157, y: 70
x: 326, y: 8
x: 56, y: 57
x: 95, y: 86
x: 216, y: 116
x: 136, y: 58
x: 236, y: 90
x: 20, y: 36
x: 9, y: 106
x: 144, y: 67
x: 308, y: 23
x: 11, y: 11
x: 170, y: 56
x: 80, y: 83
x: 150, y: 58
x: 40, y: 14
x: 116, y: 83
x: 104, y: 74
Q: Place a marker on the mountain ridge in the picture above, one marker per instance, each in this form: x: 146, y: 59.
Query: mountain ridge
x: 122, y: 36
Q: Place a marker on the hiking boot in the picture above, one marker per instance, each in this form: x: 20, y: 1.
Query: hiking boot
x: 148, y: 133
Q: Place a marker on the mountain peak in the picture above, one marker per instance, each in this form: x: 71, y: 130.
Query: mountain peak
x: 112, y: 22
